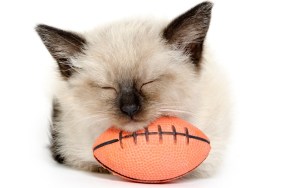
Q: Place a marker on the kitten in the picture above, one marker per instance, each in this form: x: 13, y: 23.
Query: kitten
x: 129, y: 73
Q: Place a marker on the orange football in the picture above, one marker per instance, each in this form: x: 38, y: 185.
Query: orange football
x: 168, y: 149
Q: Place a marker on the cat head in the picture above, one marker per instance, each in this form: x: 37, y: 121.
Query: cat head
x: 130, y: 72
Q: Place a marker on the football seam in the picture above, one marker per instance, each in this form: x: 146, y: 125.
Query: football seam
x: 147, y: 133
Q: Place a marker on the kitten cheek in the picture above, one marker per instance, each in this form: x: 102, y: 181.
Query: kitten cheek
x: 108, y: 93
x: 151, y: 93
x: 147, y: 89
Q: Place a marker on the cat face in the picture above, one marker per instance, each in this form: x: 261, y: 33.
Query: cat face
x: 133, y: 80
x: 132, y: 72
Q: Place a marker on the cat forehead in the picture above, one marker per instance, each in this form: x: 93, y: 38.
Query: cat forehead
x: 131, y: 40
x: 127, y: 31
x: 127, y: 49
x: 117, y: 70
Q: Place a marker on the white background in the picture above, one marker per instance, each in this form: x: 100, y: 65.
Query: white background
x: 246, y: 37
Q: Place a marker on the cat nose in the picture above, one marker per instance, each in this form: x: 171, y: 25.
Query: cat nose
x: 129, y: 101
x: 130, y: 109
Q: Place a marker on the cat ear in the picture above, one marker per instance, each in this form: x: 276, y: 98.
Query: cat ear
x: 62, y: 45
x: 189, y: 30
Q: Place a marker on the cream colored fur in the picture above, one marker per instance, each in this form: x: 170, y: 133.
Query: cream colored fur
x: 134, y: 49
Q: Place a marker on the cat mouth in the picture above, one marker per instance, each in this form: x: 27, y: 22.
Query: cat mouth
x: 134, y: 119
x: 133, y: 125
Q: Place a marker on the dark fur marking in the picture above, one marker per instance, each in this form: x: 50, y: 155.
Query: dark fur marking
x: 196, y: 19
x: 54, y: 145
x: 62, y: 45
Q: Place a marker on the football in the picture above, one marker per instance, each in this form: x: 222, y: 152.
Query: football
x: 167, y: 149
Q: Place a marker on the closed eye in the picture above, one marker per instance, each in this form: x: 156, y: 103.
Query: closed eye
x: 146, y: 83
x: 102, y: 87
x: 108, y: 88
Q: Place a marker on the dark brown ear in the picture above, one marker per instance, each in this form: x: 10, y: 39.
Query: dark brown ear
x: 62, y: 45
x: 189, y: 30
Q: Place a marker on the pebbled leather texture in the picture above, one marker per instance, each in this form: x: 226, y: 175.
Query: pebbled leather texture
x: 168, y: 149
